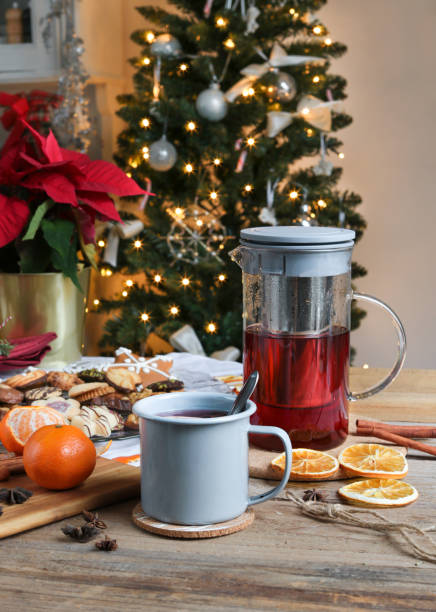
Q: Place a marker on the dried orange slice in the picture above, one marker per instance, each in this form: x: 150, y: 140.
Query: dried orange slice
x: 307, y: 464
x: 21, y: 422
x: 373, y: 461
x: 380, y: 492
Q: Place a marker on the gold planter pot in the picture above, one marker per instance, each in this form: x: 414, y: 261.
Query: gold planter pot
x: 47, y: 302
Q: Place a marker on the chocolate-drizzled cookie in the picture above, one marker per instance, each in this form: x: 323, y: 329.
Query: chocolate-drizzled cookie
x: 166, y: 386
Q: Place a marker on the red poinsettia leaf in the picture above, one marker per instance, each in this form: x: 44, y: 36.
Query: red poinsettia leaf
x: 105, y: 177
x: 57, y: 186
x: 101, y: 203
x: 86, y: 219
x: 48, y: 146
x: 14, y: 214
x: 14, y: 140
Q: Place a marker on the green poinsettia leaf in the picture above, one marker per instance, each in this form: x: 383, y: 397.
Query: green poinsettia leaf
x: 35, y: 221
x: 5, y: 347
x: 61, y: 236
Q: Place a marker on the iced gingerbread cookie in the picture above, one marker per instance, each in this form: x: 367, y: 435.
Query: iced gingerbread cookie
x: 150, y: 369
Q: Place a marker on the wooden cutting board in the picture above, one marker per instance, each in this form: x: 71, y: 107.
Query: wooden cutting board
x: 110, y: 482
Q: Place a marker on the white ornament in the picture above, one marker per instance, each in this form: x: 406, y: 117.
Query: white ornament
x: 162, y: 155
x: 185, y: 339
x: 252, y: 15
x: 311, y: 109
x: 110, y: 255
x: 129, y: 229
x: 166, y: 46
x: 278, y: 58
x: 323, y: 168
x: 211, y: 103
x: 267, y: 215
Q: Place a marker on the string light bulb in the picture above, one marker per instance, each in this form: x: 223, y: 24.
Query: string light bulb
x: 322, y: 203
x: 251, y: 141
x: 221, y: 22
x: 101, y: 243
x: 199, y: 223
x: 145, y: 317
x: 189, y: 168
x: 149, y: 37
x: 294, y: 194
x: 183, y: 67
x: 191, y: 126
x: 96, y: 302
x: 222, y: 277
x: 229, y: 44
x: 185, y: 281
x: 174, y: 311
x: 315, y: 79
x: 317, y: 30
x: 146, y: 61
x: 328, y: 41
x: 129, y: 283
x: 309, y: 132
x: 213, y: 195
x: 305, y: 111
x: 157, y: 278
x: 129, y: 174
x: 124, y: 293
x: 133, y: 163
x: 248, y: 187
x: 249, y: 91
x: 145, y: 123
x: 341, y: 155
x: 137, y: 244
x: 211, y: 327
x: 179, y: 211
x: 217, y: 161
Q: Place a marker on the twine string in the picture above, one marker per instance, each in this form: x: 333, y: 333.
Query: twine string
x: 337, y: 513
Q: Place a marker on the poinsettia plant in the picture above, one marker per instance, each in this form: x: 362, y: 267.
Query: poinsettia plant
x: 50, y: 198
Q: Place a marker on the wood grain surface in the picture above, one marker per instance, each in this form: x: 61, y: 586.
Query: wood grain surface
x: 283, y: 561
x: 109, y: 483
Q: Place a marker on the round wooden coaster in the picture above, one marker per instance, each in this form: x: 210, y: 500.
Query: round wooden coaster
x: 191, y: 532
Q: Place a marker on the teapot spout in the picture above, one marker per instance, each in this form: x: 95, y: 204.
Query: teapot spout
x: 236, y: 255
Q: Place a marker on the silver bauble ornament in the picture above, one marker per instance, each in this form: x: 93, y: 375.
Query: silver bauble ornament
x: 162, y: 155
x: 304, y: 218
x: 166, y: 46
x: 211, y: 103
x: 279, y: 86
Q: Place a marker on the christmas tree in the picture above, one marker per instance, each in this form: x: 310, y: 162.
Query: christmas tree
x: 228, y: 98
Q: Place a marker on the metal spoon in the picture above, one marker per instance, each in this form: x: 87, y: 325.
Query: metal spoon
x: 240, y: 402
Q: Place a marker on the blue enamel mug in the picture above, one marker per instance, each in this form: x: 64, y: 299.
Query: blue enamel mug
x: 194, y: 457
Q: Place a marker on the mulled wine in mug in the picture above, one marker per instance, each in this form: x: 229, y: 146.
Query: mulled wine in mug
x: 194, y: 457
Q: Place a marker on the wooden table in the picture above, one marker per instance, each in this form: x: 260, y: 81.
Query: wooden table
x: 284, y: 561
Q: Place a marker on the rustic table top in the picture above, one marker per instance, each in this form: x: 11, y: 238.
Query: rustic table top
x: 284, y: 561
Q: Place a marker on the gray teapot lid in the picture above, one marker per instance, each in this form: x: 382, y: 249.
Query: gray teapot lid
x: 296, y: 235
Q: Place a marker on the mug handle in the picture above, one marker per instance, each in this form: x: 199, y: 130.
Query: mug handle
x: 401, y: 335
x: 280, y: 433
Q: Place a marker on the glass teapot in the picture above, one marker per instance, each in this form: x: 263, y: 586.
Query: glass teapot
x: 296, y: 311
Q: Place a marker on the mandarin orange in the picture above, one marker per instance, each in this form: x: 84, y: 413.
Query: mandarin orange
x: 21, y: 422
x: 59, y: 457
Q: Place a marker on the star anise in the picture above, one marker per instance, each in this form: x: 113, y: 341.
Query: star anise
x: 15, y: 496
x: 93, y: 520
x: 82, y: 533
x: 313, y: 495
x: 106, y: 544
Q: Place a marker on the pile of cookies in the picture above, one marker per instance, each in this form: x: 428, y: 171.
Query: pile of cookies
x: 98, y: 401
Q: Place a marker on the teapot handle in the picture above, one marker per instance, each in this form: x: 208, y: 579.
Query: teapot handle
x: 401, y: 335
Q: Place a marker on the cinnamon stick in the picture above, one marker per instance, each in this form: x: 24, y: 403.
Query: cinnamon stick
x: 383, y: 434
x: 14, y: 465
x: 409, y: 431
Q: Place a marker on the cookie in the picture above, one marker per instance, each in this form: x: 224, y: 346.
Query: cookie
x: 68, y: 407
x: 92, y: 375
x: 34, y: 378
x: 166, y: 386
x: 114, y: 401
x: 41, y: 393
x: 63, y: 380
x: 88, y: 391
x: 122, y: 379
x: 138, y: 395
x: 149, y: 369
x: 132, y: 421
x: 85, y: 423
x: 9, y: 395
